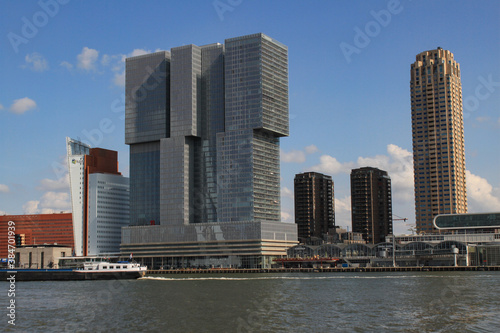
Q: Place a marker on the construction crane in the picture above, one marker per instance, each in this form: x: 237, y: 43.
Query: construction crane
x: 404, y: 219
x: 399, y: 218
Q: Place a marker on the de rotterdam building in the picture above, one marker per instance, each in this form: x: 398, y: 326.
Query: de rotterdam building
x: 438, y: 137
x: 203, y: 124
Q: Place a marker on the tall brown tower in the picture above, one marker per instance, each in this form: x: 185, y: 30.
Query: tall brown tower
x: 371, y: 204
x: 438, y: 137
x: 314, y: 205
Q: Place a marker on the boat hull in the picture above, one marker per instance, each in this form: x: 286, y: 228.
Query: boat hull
x: 65, y: 275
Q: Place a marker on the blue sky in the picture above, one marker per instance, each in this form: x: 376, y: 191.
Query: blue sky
x: 349, y: 69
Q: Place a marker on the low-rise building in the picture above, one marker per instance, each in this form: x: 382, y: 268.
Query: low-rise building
x: 40, y: 256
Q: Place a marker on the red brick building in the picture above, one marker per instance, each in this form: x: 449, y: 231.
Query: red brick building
x: 37, y: 229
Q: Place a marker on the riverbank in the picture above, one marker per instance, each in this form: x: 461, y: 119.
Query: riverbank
x: 323, y: 270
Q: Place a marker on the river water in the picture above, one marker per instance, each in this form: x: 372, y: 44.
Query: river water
x: 295, y: 302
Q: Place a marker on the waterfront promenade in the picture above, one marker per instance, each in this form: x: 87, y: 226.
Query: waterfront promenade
x: 323, y: 270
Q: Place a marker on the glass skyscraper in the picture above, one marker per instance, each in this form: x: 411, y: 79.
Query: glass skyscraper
x: 203, y: 124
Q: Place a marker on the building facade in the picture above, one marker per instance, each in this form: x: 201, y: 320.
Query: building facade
x: 371, y: 204
x: 37, y: 229
x: 108, y: 212
x: 99, y: 198
x: 314, y: 205
x: 203, y: 124
x: 40, y: 256
x: 438, y: 137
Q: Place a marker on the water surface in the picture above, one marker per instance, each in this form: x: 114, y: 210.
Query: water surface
x: 295, y: 302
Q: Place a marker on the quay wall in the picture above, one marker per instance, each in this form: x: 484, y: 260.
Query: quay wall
x: 323, y: 270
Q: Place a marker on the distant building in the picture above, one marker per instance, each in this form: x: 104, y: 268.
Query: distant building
x: 99, y: 198
x: 371, y: 204
x: 314, y: 205
x: 37, y: 229
x: 438, y: 137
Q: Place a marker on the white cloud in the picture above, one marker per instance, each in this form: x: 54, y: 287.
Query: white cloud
x: 311, y: 149
x: 343, y: 211
x: 61, y: 184
x: 58, y: 201
x: 50, y: 202
x: 297, y: 156
x: 66, y: 65
x: 343, y: 205
x: 294, y: 156
x: 331, y: 166
x: 287, y: 193
x: 22, y: 105
x: 481, y: 195
x: 36, y: 62
x: 3, y: 213
x: 398, y: 163
x: 31, y: 207
x: 86, y: 60
x: 286, y: 217
x: 399, y: 166
x: 105, y: 60
x: 483, y: 119
x: 1, y: 107
x: 4, y: 188
x: 138, y: 52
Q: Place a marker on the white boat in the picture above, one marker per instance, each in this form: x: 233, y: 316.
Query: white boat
x: 89, y: 270
x: 113, y: 269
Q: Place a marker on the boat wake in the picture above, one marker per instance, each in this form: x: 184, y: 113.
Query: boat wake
x: 332, y: 277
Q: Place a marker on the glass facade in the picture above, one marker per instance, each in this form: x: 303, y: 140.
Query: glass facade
x: 108, y: 213
x: 218, y: 159
x: 147, y: 121
x: 147, y: 104
x: 256, y: 105
x: 145, y: 183
x: 465, y: 221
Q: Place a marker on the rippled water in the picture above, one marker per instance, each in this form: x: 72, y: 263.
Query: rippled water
x: 316, y: 302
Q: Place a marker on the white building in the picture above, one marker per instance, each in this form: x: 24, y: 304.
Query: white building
x: 108, y: 212
x: 99, y: 198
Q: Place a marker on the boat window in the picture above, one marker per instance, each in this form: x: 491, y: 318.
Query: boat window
x: 104, y: 267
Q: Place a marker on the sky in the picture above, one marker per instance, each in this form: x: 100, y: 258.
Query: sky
x: 62, y: 74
